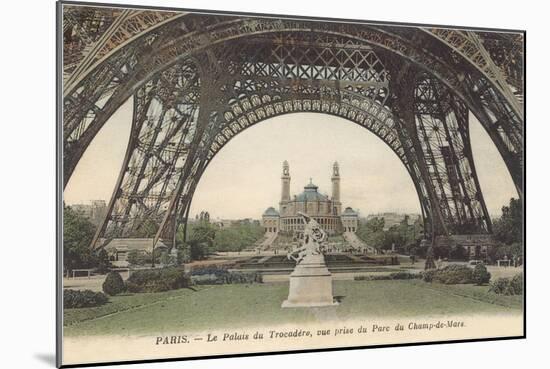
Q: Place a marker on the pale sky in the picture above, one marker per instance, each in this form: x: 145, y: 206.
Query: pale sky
x: 244, y: 178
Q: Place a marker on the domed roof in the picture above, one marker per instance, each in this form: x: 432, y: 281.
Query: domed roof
x: 350, y: 212
x: 271, y: 211
x: 310, y: 186
x: 310, y: 194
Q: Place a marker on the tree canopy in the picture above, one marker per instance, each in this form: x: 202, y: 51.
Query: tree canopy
x: 508, y: 230
x: 78, y: 233
x: 204, y: 238
x: 403, y: 235
x: 509, y: 227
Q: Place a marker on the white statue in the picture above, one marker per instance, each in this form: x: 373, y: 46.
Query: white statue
x: 310, y: 283
x: 314, y: 235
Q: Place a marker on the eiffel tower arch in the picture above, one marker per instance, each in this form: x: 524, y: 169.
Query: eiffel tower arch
x: 199, y: 80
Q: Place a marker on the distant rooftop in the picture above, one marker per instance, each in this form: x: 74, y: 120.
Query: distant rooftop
x: 349, y: 211
x: 310, y: 193
x: 271, y: 211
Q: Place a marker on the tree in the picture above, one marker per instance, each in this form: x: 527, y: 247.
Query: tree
x: 396, y: 235
x: 502, y: 251
x: 78, y: 233
x: 103, y: 262
x: 239, y: 236
x: 203, y: 233
x: 458, y: 252
x: 430, y: 262
x: 509, y: 227
x: 198, y: 250
x: 201, y: 238
x: 375, y: 225
x: 372, y: 232
x: 403, y: 235
x: 508, y: 230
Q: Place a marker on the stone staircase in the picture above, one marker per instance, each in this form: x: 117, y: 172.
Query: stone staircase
x: 266, y: 242
x: 358, y: 244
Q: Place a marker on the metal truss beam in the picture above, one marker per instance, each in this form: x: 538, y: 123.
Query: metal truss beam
x: 410, y: 46
x: 199, y: 80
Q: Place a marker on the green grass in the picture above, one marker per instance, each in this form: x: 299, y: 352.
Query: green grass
x: 235, y: 306
x: 480, y: 293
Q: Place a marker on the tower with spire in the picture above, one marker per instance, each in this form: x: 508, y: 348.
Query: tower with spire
x: 285, y: 182
x: 326, y: 210
x: 337, y: 205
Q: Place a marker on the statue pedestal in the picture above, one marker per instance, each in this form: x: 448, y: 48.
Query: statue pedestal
x: 310, y: 284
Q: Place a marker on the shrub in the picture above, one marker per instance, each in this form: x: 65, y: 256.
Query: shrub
x: 157, y: 280
x: 215, y: 275
x: 404, y: 275
x: 183, y: 256
x: 507, y: 286
x: 451, y: 274
x: 135, y: 258
x: 391, y: 276
x: 198, y: 250
x: 517, y: 284
x: 167, y: 259
x: 480, y: 275
x: 363, y: 278
x: 80, y: 299
x: 113, y: 284
x: 428, y: 275
x: 501, y: 286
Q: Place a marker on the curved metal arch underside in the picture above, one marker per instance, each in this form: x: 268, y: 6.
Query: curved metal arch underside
x: 199, y: 80
x: 92, y: 34
x: 154, y: 124
x: 113, y: 81
x: 166, y: 157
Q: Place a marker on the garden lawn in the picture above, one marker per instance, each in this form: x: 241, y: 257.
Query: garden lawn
x: 242, y: 305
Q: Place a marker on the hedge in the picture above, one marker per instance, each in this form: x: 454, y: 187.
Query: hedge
x: 79, y: 299
x: 157, y: 280
x: 507, y: 286
x: 451, y: 274
x: 216, y: 275
x: 391, y: 276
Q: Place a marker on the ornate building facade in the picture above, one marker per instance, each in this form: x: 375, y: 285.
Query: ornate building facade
x: 327, y: 211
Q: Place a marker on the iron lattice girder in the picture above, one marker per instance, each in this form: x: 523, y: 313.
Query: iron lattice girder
x: 91, y: 34
x: 503, y: 76
x: 253, y: 107
x: 82, y: 27
x: 264, y: 67
x: 505, y: 49
x: 163, y: 127
x: 181, y: 38
x: 444, y: 135
x: 507, y: 52
x: 236, y: 101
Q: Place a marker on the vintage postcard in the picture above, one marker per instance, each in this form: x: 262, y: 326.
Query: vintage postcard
x: 235, y: 184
